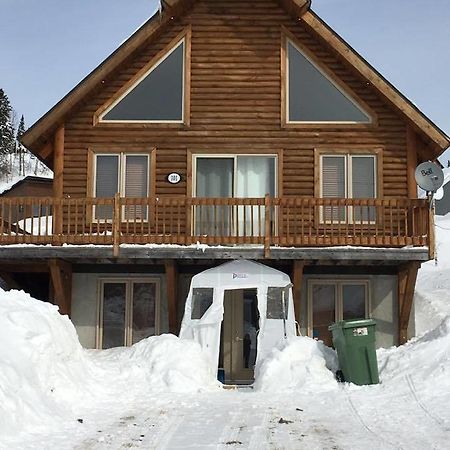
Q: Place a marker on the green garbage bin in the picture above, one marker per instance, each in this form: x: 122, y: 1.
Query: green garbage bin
x: 354, y: 341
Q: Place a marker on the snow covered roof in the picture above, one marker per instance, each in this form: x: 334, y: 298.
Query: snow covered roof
x: 41, y: 132
x: 6, y: 187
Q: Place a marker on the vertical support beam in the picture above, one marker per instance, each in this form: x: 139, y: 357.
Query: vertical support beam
x: 172, y: 294
x: 411, y: 161
x: 431, y: 233
x: 297, y: 278
x: 61, y: 280
x: 58, y: 182
x: 407, y: 277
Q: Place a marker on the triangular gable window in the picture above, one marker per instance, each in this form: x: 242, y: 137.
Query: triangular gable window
x: 157, y: 95
x: 314, y: 97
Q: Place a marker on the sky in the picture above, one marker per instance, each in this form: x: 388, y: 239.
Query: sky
x: 46, y: 49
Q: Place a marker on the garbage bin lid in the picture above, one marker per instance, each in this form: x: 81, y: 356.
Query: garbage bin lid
x: 354, y: 323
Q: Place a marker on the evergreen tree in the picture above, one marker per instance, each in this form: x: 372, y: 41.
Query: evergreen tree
x: 20, y: 148
x: 7, y: 138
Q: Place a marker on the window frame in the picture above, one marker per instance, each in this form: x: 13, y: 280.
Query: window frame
x: 348, y: 154
x: 128, y: 332
x: 183, y: 37
x: 288, y: 37
x: 338, y: 284
x: 122, y: 153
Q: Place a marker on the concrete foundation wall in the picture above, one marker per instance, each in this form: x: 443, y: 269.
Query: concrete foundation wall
x: 85, y: 294
x: 383, y: 301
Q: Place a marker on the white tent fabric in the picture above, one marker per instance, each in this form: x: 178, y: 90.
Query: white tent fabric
x: 239, y: 274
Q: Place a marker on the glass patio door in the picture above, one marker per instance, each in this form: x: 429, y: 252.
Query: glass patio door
x: 240, y: 176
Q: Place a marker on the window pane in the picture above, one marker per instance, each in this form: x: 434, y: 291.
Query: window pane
x: 202, y: 299
x: 106, y: 183
x: 324, y: 311
x: 136, y: 184
x: 313, y: 97
x: 159, y: 96
x: 275, y: 302
x: 114, y: 301
x: 255, y: 177
x: 333, y: 185
x: 354, y: 301
x: 214, y: 178
x: 363, y: 186
x: 144, y: 311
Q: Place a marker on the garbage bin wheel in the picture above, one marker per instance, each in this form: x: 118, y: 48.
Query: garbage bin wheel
x: 340, y: 376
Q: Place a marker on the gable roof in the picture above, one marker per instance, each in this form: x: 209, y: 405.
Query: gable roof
x: 36, y: 138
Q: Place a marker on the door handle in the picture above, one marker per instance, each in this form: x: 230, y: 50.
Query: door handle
x: 238, y: 339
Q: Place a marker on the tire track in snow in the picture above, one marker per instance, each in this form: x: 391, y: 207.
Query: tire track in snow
x: 377, y: 435
x: 232, y: 430
x: 435, y: 418
x: 260, y: 436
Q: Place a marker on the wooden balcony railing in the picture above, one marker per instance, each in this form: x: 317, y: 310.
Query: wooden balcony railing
x: 287, y: 222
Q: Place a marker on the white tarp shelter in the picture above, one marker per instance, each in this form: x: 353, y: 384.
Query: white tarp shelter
x: 239, y: 274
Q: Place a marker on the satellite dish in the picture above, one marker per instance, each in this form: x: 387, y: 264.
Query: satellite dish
x: 429, y: 176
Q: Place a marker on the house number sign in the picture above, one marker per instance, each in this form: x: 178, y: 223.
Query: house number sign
x: 174, y: 178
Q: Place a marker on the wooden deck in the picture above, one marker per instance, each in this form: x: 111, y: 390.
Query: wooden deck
x: 267, y: 222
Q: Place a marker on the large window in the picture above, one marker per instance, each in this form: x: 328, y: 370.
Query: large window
x: 333, y: 300
x: 348, y: 176
x: 233, y: 176
x: 156, y: 94
x: 313, y: 96
x: 123, y: 173
x: 128, y: 311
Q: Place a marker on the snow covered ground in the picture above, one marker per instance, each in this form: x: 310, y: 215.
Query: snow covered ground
x: 158, y: 394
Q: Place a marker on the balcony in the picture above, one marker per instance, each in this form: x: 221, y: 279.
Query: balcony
x: 267, y: 222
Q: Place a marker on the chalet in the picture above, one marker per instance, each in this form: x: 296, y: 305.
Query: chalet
x: 225, y: 130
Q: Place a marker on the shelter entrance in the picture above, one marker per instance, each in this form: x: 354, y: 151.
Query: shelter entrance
x: 238, y: 340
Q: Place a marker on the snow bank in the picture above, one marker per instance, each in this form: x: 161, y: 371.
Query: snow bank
x: 426, y: 357
x: 46, y: 376
x: 297, y: 363
x: 431, y: 301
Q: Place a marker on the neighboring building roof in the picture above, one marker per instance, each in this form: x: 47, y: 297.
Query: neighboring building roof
x: 37, y: 136
x: 27, y: 179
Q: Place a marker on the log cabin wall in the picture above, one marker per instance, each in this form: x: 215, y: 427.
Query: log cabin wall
x: 235, y: 105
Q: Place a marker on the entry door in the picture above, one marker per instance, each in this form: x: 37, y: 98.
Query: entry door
x: 239, y: 335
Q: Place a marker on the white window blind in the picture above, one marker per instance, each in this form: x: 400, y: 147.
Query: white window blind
x: 136, y: 175
x: 333, y: 177
x: 363, y: 177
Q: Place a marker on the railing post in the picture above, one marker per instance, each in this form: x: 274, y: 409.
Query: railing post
x: 116, y: 225
x: 267, y: 229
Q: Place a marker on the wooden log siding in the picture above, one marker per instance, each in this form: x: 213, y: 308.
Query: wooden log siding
x: 286, y: 221
x: 235, y: 105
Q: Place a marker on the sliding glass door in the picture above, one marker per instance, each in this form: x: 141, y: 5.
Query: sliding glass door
x: 238, y: 176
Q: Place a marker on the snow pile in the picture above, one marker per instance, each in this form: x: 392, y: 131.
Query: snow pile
x: 431, y: 301
x: 426, y: 357
x: 46, y: 376
x: 297, y: 363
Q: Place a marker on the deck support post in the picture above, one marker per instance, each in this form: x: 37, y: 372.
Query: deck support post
x: 407, y: 276
x: 58, y: 182
x: 172, y: 294
x: 297, y: 278
x: 61, y: 281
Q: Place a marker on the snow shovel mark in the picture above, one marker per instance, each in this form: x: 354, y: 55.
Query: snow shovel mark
x: 435, y: 418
